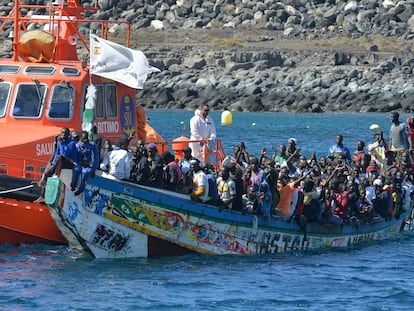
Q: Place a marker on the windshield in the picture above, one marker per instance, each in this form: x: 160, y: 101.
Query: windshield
x: 29, y: 100
x: 61, y: 104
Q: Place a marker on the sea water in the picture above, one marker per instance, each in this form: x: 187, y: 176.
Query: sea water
x: 313, y: 132
x: 377, y: 276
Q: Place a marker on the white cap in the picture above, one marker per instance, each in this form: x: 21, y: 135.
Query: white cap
x: 377, y: 182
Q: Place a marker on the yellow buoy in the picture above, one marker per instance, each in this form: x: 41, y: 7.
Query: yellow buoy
x: 226, y: 118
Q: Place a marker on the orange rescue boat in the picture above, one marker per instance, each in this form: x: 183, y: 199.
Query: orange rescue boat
x: 43, y: 87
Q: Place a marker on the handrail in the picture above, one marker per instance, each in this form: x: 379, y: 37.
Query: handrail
x: 20, y: 157
x: 217, y: 150
x: 69, y: 12
x: 213, y: 155
x: 16, y: 189
x: 20, y: 167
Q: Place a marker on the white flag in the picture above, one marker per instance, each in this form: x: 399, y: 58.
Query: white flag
x: 116, y: 62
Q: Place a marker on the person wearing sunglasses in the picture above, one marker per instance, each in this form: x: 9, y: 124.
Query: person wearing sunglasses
x: 202, y: 128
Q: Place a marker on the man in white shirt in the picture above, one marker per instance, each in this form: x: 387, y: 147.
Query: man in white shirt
x: 118, y: 161
x: 200, y: 183
x: 201, y: 127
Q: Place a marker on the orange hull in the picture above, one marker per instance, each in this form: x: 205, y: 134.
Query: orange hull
x: 27, y: 222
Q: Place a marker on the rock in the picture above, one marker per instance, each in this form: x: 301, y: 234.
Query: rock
x: 266, y: 61
x: 195, y: 63
x: 157, y: 24
x: 351, y: 7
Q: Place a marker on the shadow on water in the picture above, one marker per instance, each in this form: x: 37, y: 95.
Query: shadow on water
x: 41, y: 252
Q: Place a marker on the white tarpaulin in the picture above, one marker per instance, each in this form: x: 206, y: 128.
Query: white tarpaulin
x: 116, y: 62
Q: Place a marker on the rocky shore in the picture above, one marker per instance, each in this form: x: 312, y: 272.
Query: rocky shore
x: 289, y: 56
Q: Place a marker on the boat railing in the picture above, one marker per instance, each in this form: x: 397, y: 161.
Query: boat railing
x: 62, y: 21
x: 24, y: 167
x: 212, y: 152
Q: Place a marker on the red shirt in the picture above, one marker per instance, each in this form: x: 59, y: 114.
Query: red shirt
x: 358, y: 155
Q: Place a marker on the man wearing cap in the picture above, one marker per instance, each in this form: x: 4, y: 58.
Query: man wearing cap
x: 381, y: 201
x: 202, y: 127
x: 200, y: 183
x: 156, y: 165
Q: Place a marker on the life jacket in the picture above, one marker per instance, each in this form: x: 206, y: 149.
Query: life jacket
x: 341, y: 204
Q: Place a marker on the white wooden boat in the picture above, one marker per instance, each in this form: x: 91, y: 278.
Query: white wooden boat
x: 116, y: 219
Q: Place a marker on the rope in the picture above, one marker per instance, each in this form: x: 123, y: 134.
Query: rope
x: 16, y: 189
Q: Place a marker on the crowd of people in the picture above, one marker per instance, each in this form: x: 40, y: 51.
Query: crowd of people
x: 373, y: 182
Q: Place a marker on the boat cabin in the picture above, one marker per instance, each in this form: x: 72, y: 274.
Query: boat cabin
x: 43, y: 87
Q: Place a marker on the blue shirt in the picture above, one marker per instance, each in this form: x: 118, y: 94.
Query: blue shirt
x: 65, y: 148
x: 336, y: 150
x: 87, y: 155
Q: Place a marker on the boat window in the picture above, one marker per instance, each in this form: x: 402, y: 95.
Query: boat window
x: 3, y: 168
x: 106, y: 101
x: 29, y: 100
x: 61, y: 104
x: 9, y: 69
x: 29, y: 171
x: 99, y: 110
x: 111, y: 102
x: 5, y: 89
x: 40, y: 70
x: 68, y: 71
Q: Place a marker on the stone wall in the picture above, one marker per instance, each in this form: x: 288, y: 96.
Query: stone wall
x: 265, y: 72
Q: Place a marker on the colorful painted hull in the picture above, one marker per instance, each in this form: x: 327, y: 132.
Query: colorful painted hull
x: 114, y: 219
